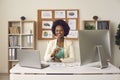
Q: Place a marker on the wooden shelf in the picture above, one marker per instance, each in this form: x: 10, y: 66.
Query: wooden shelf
x: 96, y: 25
x: 21, y: 35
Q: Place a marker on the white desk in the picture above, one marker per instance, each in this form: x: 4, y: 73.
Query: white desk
x: 64, y: 71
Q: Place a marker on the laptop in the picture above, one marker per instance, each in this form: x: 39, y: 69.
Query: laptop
x: 30, y: 58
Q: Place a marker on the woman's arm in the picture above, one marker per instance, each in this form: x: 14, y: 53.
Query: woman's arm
x: 47, y: 56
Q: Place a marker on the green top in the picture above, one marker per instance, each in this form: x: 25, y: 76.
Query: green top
x: 60, y: 54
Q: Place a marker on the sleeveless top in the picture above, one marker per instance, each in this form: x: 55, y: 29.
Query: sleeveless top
x: 60, y: 54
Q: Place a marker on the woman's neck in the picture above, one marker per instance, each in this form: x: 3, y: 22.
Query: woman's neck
x: 60, y: 42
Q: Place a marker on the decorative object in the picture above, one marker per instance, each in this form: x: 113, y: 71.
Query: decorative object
x: 89, y: 27
x: 73, y: 34
x: 47, y: 24
x: 72, y: 23
x: 72, y: 14
x: 46, y: 14
x: 60, y: 14
x: 47, y: 34
x: 117, y: 37
x: 46, y: 17
x: 22, y: 17
x: 95, y: 17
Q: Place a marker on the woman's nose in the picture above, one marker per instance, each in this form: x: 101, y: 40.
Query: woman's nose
x: 59, y: 31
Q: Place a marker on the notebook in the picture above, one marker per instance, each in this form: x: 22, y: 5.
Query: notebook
x: 30, y: 58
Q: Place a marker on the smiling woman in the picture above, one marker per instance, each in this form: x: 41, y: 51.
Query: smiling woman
x: 60, y: 49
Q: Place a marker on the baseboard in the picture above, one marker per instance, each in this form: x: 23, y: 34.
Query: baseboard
x: 4, y: 74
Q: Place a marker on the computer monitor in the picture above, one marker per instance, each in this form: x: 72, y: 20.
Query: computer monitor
x: 94, y: 46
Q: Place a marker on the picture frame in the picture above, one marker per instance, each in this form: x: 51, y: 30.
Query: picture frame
x: 60, y: 14
x: 47, y: 34
x: 47, y: 24
x: 72, y: 14
x: 73, y: 34
x: 46, y: 14
x: 72, y: 24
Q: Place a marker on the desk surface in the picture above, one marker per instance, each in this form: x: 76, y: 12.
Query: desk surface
x: 68, y: 68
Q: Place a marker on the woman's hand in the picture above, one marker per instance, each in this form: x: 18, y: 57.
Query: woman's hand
x: 57, y: 60
x: 56, y: 50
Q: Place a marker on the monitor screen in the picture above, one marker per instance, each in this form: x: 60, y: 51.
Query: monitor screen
x: 90, y: 42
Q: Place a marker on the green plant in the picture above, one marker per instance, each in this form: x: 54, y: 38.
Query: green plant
x: 117, y: 36
x: 89, y: 27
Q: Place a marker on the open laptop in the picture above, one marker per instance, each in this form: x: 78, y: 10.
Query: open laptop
x: 30, y: 58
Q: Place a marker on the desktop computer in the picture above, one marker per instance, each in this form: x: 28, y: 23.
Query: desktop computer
x: 94, y: 46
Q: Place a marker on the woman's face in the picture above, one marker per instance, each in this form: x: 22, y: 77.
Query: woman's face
x: 59, y: 31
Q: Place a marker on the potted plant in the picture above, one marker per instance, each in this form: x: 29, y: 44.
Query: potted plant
x: 117, y: 36
x: 89, y: 27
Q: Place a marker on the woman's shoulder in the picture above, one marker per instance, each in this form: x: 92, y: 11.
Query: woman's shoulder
x: 68, y: 41
x: 52, y: 41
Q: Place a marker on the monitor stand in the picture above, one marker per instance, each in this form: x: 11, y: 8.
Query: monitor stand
x: 102, y: 56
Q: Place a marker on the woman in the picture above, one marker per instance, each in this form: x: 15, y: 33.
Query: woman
x: 60, y: 49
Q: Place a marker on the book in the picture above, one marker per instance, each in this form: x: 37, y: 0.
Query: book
x: 14, y: 30
x: 10, y: 54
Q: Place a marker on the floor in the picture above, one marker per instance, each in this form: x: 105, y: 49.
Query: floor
x: 4, y: 76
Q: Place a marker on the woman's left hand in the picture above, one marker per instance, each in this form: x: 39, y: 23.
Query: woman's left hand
x: 57, y: 60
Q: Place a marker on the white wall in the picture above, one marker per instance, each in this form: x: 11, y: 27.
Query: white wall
x: 14, y: 9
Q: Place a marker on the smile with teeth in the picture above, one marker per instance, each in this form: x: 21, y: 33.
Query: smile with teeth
x: 59, y: 34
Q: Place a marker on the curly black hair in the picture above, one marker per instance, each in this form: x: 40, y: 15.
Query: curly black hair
x: 63, y: 24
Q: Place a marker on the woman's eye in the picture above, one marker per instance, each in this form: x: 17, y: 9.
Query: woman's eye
x: 56, y: 31
x: 59, y: 31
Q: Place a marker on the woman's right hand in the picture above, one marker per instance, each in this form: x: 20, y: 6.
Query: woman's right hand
x: 56, y: 50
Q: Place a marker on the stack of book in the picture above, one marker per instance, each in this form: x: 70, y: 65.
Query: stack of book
x: 12, y: 54
x: 103, y: 25
x: 13, y: 41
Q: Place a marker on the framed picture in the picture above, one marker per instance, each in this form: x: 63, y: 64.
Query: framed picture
x: 59, y: 14
x: 72, y: 14
x: 73, y: 34
x: 46, y: 34
x: 72, y: 24
x: 47, y: 24
x: 46, y: 14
